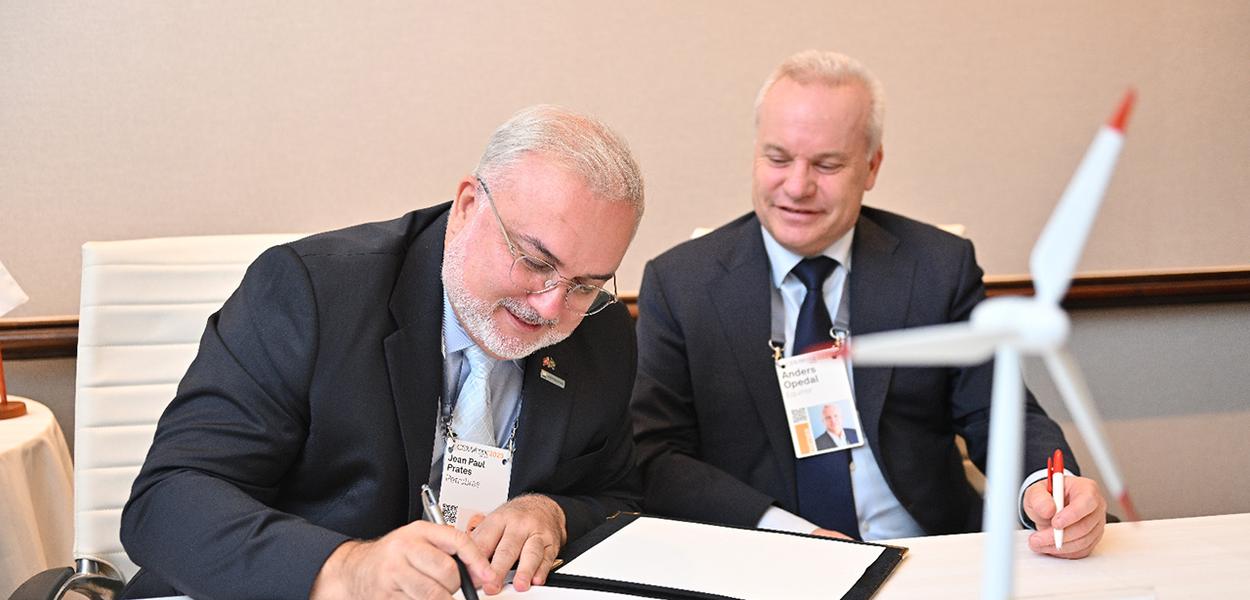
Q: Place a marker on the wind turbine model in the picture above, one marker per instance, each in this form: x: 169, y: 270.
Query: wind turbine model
x: 1008, y: 327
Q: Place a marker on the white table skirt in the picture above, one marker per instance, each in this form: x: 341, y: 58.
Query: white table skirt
x: 36, y: 496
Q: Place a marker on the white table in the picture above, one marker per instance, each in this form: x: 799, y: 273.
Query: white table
x: 36, y: 496
x: 1199, y: 557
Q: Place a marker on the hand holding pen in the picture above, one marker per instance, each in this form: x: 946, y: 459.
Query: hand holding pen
x: 418, y: 560
x: 1070, y: 512
x: 1054, y: 485
x: 435, y: 515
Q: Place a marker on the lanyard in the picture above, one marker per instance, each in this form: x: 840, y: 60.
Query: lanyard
x: 446, y: 408
x: 841, y: 322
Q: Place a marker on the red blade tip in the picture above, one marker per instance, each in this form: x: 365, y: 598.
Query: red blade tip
x: 1129, y: 511
x: 1120, y: 118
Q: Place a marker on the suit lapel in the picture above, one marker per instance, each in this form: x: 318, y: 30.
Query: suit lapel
x: 880, y: 294
x: 545, y: 409
x: 414, y: 353
x: 743, y: 301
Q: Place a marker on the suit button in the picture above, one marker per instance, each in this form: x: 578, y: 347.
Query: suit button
x: 852, y: 466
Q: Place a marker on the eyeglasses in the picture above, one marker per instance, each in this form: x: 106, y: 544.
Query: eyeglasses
x: 537, y: 276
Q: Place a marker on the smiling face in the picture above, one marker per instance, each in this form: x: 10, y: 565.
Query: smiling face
x: 812, y: 164
x: 550, y: 214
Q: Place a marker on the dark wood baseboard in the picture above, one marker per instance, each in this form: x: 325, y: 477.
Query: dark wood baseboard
x: 57, y: 337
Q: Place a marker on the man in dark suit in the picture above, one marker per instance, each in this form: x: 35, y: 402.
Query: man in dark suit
x: 835, y: 435
x: 710, y: 424
x: 290, y: 462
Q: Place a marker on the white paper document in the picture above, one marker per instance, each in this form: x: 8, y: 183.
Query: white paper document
x: 739, y: 563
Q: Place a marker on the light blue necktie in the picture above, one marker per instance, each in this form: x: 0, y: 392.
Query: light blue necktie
x: 472, y: 418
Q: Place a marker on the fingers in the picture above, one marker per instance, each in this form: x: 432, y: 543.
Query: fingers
x: 507, y: 551
x: 537, y: 556
x: 1039, y: 505
x: 487, y: 537
x: 1081, y: 499
x: 1083, y: 520
x: 829, y: 533
x: 424, y: 562
x: 414, y: 561
x: 526, y: 532
x: 1079, y: 546
x: 418, y: 562
x: 550, y: 552
x: 460, y: 544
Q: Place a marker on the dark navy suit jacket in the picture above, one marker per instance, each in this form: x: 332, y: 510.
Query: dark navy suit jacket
x: 308, y: 418
x: 825, y: 441
x: 709, y: 421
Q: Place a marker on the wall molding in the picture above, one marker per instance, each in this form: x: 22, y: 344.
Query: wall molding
x: 57, y: 336
x: 1116, y: 289
x: 39, y: 337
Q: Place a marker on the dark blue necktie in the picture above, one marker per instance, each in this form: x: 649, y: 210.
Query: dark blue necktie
x: 825, y: 496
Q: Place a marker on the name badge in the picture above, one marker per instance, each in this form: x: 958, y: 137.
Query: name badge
x: 475, y: 482
x: 819, y: 404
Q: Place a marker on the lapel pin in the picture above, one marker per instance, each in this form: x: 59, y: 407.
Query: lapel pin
x: 549, y: 365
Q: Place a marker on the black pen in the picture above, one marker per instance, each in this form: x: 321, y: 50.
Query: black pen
x: 435, y: 516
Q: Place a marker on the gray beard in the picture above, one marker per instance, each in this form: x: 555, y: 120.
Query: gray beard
x: 475, y: 313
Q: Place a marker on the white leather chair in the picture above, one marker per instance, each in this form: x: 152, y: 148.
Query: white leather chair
x: 143, y: 308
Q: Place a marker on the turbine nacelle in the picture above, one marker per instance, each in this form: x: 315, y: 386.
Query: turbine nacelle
x: 1026, y: 324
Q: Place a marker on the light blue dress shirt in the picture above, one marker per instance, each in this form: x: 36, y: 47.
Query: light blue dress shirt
x: 506, y: 380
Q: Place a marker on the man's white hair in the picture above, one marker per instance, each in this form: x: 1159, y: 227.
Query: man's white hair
x: 832, y: 69
x: 580, y: 143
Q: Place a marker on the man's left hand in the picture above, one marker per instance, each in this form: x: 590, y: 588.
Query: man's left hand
x: 528, y: 529
x: 1082, y: 519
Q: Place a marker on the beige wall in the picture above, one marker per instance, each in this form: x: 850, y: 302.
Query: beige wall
x: 150, y: 118
x: 147, y: 118
x: 1171, y: 381
x: 1173, y: 385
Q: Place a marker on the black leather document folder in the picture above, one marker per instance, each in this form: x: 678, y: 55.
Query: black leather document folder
x: 655, y: 557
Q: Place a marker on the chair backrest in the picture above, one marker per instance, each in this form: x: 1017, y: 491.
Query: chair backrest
x: 143, y: 309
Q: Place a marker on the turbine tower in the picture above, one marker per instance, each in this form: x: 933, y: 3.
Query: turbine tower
x: 1009, y: 327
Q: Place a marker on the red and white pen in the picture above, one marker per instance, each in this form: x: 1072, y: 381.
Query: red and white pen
x: 1054, y: 485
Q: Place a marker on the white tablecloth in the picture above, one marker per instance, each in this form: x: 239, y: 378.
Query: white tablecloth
x: 36, y: 496
x: 1182, y: 559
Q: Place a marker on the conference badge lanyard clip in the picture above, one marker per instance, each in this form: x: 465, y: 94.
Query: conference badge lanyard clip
x: 475, y: 479
x: 819, y: 403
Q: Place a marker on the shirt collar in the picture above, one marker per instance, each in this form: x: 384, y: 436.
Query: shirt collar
x: 782, y: 260
x: 455, y: 338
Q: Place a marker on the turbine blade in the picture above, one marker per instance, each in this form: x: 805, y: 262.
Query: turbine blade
x: 951, y: 344
x: 1059, y: 248
x: 1067, y: 376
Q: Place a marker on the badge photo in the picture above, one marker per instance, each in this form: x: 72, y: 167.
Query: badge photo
x: 819, y: 403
